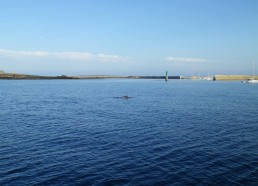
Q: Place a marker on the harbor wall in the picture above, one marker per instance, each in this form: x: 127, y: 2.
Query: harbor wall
x: 129, y: 77
x: 159, y: 77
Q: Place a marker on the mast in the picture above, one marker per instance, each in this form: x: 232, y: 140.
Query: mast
x: 253, y: 69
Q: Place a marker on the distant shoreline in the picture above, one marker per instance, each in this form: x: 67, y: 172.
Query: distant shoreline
x: 13, y: 76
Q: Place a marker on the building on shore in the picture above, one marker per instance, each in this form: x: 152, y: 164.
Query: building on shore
x: 233, y: 77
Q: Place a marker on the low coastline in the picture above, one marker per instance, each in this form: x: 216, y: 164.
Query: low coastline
x: 14, y: 76
x: 10, y: 76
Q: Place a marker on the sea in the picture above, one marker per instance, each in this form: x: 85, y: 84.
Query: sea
x: 83, y: 132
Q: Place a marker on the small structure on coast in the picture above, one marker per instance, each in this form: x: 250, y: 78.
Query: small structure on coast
x: 233, y: 77
x: 166, y: 78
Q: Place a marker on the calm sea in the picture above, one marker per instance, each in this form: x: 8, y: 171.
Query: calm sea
x: 77, y: 132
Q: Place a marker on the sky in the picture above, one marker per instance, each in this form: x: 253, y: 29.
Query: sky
x: 128, y: 37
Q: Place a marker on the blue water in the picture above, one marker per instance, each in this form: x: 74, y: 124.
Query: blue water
x: 74, y: 132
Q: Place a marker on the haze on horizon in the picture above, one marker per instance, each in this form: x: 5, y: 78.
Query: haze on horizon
x: 112, y: 37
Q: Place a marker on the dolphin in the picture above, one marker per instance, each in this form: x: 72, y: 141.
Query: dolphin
x: 123, y: 97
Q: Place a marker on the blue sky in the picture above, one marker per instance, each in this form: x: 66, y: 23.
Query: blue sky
x: 136, y: 37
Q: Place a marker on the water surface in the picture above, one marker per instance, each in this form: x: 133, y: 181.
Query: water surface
x: 75, y: 132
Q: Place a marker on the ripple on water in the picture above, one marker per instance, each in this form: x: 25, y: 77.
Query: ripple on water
x: 74, y: 133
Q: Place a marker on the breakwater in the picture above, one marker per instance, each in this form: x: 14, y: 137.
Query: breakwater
x: 125, y: 77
